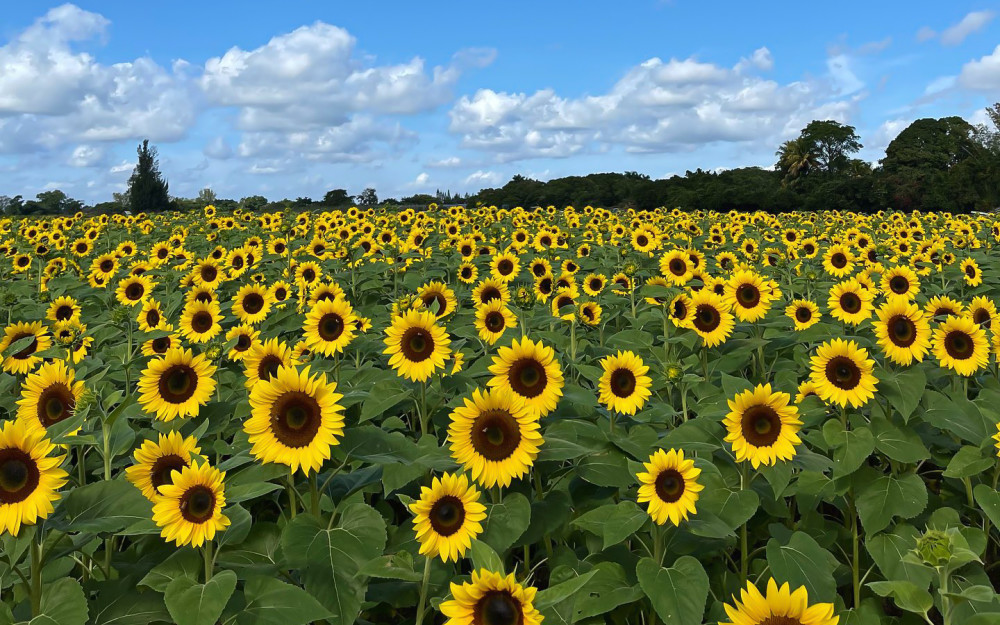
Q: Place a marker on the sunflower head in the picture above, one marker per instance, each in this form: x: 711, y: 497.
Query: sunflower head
x: 780, y: 606
x: 491, y: 599
x: 842, y: 372
x: 416, y: 345
x: 447, y: 516
x: 29, y: 477
x: 624, y: 386
x: 762, y: 426
x: 189, y: 511
x: 529, y: 371
x: 670, y: 486
x: 177, y: 384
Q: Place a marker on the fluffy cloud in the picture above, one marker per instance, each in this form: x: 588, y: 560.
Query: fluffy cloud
x: 982, y: 74
x: 361, y: 139
x: 51, y: 95
x: 957, y: 33
x: 658, y: 106
x: 87, y: 156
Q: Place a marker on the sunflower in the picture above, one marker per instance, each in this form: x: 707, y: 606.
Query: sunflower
x: 838, y: 261
x: 200, y: 321
x: 63, y: 308
x: 493, y: 319
x: 176, y: 385
x: 244, y: 337
x: 807, y: 388
x: 505, y: 267
x: 971, y: 273
x: 710, y: 318
x: 189, y: 512
x: 842, y: 372
x: 280, y: 291
x: 941, y: 306
x: 763, y: 427
x: 151, y: 316
x: 330, y: 326
x: 780, y: 606
x: 982, y: 310
x: 416, y: 345
x: 494, y: 436
x: 436, y: 296
x: 491, y: 599
x: 467, y: 272
x: 49, y: 395
x: 903, y: 331
x: 160, y: 345
x: 960, y: 344
x: 490, y: 289
x: 155, y: 462
x: 594, y: 283
x: 531, y: 373
x: 447, y: 517
x: 624, y: 385
x: 850, y: 302
x: 675, y: 266
x: 589, y: 313
x: 308, y: 273
x: 900, y: 282
x: 252, y: 303
x: 679, y: 310
x: 748, y: 295
x: 623, y: 284
x: 670, y: 486
x: 264, y: 360
x: 804, y: 313
x: 295, y: 419
x: 29, y: 477
x: 24, y: 360
x: 133, y: 290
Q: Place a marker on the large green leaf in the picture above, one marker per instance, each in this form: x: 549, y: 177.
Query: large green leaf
x: 851, y: 448
x: 802, y: 562
x: 273, y: 602
x: 191, y: 603
x: 606, y: 590
x: 678, y: 593
x: 888, y: 550
x: 105, y: 506
x: 899, y: 444
x: 614, y: 523
x: 506, y: 521
x: 885, y: 497
x: 63, y: 603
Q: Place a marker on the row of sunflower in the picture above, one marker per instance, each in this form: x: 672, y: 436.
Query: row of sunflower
x: 493, y: 416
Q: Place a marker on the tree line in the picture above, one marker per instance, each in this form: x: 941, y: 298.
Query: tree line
x: 944, y: 164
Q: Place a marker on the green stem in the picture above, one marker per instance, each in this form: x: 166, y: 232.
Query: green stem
x: 291, y: 497
x: 744, y: 534
x: 314, y: 495
x: 855, y: 552
x: 206, y: 552
x: 36, y: 575
x: 422, y: 605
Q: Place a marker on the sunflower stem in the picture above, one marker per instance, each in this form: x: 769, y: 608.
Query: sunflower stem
x: 855, y: 549
x: 314, y: 494
x: 206, y: 552
x: 422, y: 605
x: 744, y: 534
x: 36, y: 575
x: 291, y: 497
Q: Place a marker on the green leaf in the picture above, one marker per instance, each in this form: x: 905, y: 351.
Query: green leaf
x: 802, y: 562
x: 506, y: 521
x: 903, y: 389
x: 484, y: 557
x: 989, y: 502
x: 106, y: 506
x: 399, y: 566
x: 906, y: 595
x: 888, y: 550
x: 885, y: 497
x: 63, y: 603
x: 901, y: 445
x: 606, y: 590
x: 967, y: 462
x: 181, y: 563
x: 614, y: 523
x: 607, y: 468
x: 733, y: 507
x: 678, y: 594
x: 191, y: 603
x: 851, y: 448
x: 554, y: 595
x: 118, y: 603
x: 273, y: 602
x: 384, y: 395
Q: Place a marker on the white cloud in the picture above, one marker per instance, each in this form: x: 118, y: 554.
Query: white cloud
x: 86, y: 156
x: 973, y: 22
x: 446, y: 163
x: 218, y: 148
x: 483, y: 178
x: 658, y: 106
x: 926, y: 34
x: 362, y: 139
x: 982, y: 74
x: 122, y: 167
x: 421, y: 179
x: 760, y: 59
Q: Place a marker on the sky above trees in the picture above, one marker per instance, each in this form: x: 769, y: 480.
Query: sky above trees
x: 295, y: 98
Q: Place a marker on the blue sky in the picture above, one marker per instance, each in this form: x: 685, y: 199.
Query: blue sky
x: 295, y: 98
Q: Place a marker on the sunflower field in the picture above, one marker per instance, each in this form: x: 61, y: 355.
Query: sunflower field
x: 482, y: 416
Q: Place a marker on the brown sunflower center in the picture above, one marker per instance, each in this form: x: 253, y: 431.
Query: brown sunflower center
x: 55, y: 404
x: 280, y: 293
x: 268, y: 367
x: 761, y: 425
x: 679, y: 310
x: 64, y: 312
x: 237, y: 262
x: 308, y: 274
x: 596, y: 285
x: 417, y: 344
x: 622, y: 383
x: 153, y: 318
x: 161, y: 345
x: 970, y: 271
x: 494, y: 321
x: 495, y: 435
x: 27, y: 351
x: 330, y: 326
x: 135, y: 291
x: 527, y: 377
x: 677, y: 267
x: 838, y: 260
x: 850, y: 303
x: 669, y: 485
x: 780, y: 620
x: 747, y: 295
x: 198, y: 504
x: 253, y: 303
x: 981, y: 316
x: 899, y: 285
x: 505, y: 267
x: 430, y: 298
x: 707, y: 318
x: 588, y: 312
x: 202, y: 321
x: 107, y: 265
x: 902, y: 331
x: 466, y: 273
x: 803, y: 314
x: 295, y: 419
x: 243, y: 343
x: 843, y: 373
x: 162, y: 469
x: 178, y: 384
x: 447, y: 515
x: 497, y: 607
x: 19, y: 475
x: 489, y: 293
x: 209, y: 273
x: 959, y: 345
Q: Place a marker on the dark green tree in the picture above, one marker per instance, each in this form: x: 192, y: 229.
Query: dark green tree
x: 368, y: 197
x: 337, y: 197
x: 147, y: 190
x: 253, y: 202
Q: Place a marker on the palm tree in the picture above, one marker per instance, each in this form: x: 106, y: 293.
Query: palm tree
x: 795, y: 157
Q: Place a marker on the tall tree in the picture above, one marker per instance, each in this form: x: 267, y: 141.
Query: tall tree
x: 368, y: 197
x: 206, y: 196
x: 795, y: 159
x: 337, y: 197
x: 147, y: 190
x: 832, y: 142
